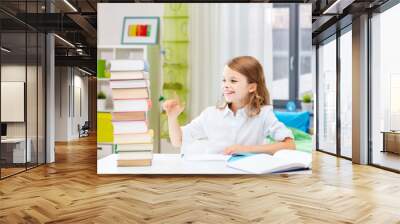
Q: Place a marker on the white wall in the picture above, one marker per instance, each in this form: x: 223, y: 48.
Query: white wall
x: 61, y: 103
x: 68, y: 82
x: 17, y: 73
x: 111, y: 17
x: 79, y: 117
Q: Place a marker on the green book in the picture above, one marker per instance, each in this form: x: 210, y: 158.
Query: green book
x: 101, y: 67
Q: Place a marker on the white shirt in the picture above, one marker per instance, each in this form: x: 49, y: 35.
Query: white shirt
x: 217, y: 129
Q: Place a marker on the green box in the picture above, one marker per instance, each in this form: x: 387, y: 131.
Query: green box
x: 101, y: 67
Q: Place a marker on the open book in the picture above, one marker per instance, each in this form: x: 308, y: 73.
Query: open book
x: 281, y: 161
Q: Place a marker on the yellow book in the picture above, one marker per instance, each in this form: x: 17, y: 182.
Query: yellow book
x: 132, y: 30
x: 104, y: 127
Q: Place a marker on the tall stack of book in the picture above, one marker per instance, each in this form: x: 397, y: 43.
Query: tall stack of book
x: 130, y: 88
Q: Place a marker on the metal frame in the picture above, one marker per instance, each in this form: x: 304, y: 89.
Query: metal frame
x: 369, y: 78
x: 316, y: 98
x: 338, y: 74
x: 294, y: 52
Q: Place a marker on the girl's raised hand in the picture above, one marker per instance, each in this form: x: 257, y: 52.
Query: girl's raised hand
x: 173, y: 108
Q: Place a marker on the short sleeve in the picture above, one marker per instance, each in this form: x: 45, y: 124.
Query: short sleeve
x: 195, y: 130
x: 273, y: 127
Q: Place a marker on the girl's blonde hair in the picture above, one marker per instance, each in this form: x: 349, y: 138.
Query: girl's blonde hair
x: 252, y: 69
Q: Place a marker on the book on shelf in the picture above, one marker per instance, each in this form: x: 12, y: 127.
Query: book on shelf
x: 129, y: 105
x: 137, y: 138
x: 129, y: 75
x: 129, y: 116
x: 126, y: 127
x: 138, y: 93
x: 122, y: 84
x: 127, y: 65
x: 134, y: 147
x: 281, y: 161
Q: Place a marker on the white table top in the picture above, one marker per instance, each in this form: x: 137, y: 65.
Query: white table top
x: 170, y: 164
x: 13, y: 140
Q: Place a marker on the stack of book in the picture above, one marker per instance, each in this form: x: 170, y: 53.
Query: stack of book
x: 130, y: 88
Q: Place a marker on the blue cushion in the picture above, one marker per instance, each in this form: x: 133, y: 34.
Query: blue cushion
x: 299, y: 120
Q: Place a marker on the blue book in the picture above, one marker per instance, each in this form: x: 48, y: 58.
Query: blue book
x: 240, y: 155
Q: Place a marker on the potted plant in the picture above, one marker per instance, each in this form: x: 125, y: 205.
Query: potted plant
x: 101, y: 101
x: 306, y: 102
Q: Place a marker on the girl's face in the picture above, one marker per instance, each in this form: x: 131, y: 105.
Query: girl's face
x: 235, y: 87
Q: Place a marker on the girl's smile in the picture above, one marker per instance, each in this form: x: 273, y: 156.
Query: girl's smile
x: 228, y: 94
x: 235, y: 87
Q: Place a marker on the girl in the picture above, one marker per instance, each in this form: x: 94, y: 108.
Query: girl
x: 242, y: 122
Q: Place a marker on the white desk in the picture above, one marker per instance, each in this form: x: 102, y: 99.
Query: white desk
x: 170, y: 164
x: 19, y: 149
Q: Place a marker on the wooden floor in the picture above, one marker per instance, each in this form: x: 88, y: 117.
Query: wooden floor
x: 10, y: 171
x: 70, y: 191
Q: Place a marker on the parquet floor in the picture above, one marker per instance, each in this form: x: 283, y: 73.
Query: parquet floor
x: 70, y: 191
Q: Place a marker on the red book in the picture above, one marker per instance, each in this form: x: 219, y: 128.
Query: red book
x: 142, y: 30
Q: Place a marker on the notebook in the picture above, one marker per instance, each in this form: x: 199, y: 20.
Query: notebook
x: 281, y: 161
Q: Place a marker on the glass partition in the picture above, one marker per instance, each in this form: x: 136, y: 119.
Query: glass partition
x: 13, y: 117
x: 327, y: 96
x: 23, y: 90
x: 385, y: 89
x: 346, y: 94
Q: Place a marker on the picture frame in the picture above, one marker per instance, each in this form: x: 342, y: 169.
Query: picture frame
x: 140, y: 30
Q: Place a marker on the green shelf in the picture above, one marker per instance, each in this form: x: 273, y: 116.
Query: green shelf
x: 175, y: 44
x: 175, y: 17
